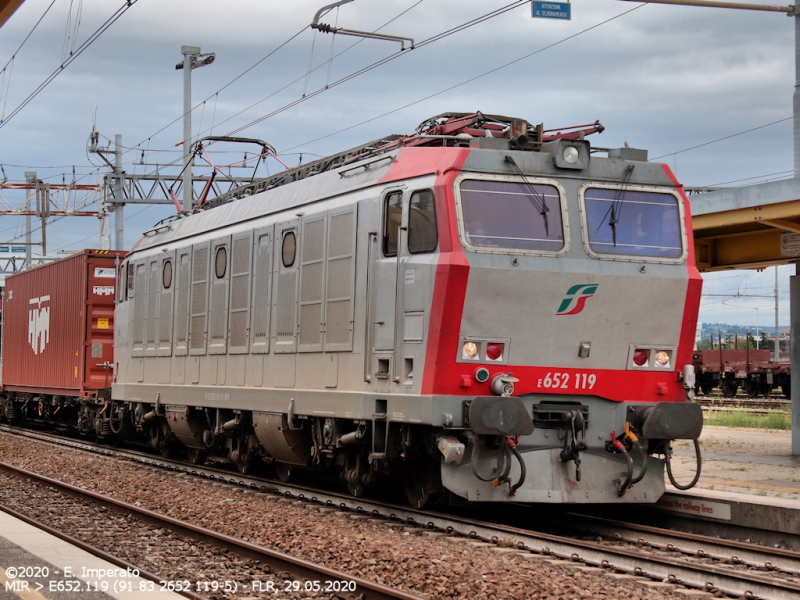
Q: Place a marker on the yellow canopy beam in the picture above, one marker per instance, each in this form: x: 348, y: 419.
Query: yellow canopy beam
x: 7, y: 8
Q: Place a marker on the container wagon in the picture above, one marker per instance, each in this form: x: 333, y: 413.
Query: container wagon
x: 58, y: 339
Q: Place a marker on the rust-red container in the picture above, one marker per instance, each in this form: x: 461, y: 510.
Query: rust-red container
x: 58, y: 328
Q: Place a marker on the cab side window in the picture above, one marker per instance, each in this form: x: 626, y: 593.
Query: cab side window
x: 422, y: 235
x: 392, y: 219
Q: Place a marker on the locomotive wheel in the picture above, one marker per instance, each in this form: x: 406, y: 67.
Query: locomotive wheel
x: 753, y: 388
x: 728, y: 387
x: 707, y: 388
x: 422, y: 482
x: 160, y: 440
x: 787, y: 390
x: 284, y: 472
x: 196, y: 457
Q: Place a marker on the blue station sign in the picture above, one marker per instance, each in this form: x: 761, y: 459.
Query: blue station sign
x: 552, y: 10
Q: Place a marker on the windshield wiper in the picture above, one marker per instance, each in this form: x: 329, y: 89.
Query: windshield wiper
x: 542, y: 205
x: 616, y: 205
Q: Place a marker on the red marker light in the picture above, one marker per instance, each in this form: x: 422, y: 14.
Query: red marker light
x: 640, y: 357
x: 494, y: 351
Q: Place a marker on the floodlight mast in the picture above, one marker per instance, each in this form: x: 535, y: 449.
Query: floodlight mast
x: 192, y: 59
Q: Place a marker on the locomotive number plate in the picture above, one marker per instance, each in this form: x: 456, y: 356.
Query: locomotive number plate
x: 565, y: 381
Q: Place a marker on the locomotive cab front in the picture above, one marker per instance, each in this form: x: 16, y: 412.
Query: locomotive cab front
x: 578, y: 321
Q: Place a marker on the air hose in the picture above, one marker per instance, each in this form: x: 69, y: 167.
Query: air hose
x: 522, y: 470
x: 618, y: 446
x: 668, y: 455
x: 628, y: 476
x: 640, y: 476
x: 631, y: 437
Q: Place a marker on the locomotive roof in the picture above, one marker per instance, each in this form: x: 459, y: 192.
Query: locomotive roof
x: 284, y: 197
x: 362, y: 167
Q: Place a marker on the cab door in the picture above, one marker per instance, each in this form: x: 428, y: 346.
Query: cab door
x: 384, y: 285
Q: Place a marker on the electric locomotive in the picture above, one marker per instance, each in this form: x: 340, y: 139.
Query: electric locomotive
x: 483, y: 307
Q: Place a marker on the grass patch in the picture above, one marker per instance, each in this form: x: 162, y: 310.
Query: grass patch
x: 743, y: 418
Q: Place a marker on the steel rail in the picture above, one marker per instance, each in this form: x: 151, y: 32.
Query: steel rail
x: 700, y: 576
x: 114, y: 560
x: 297, y: 567
x: 768, y: 559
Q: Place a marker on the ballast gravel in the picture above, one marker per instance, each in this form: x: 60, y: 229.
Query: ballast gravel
x: 429, y: 565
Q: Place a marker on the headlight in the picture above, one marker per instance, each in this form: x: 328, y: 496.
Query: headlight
x: 571, y: 155
x: 469, y: 350
x: 662, y: 358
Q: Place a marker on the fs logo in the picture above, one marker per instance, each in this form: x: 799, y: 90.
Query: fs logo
x: 576, y: 299
x: 39, y: 324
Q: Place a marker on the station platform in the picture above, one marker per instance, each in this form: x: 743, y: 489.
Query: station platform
x: 755, y: 462
x: 35, y: 565
x: 749, y: 480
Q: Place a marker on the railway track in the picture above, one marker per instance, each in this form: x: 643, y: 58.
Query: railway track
x: 758, y: 404
x: 288, y: 567
x: 652, y: 554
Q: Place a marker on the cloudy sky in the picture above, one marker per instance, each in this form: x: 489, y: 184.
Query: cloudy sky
x: 664, y: 78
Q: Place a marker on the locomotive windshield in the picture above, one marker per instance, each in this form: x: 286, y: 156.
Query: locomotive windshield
x: 633, y: 223
x: 510, y: 215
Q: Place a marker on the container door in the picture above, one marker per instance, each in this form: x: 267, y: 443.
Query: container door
x: 286, y: 286
x: 99, y: 344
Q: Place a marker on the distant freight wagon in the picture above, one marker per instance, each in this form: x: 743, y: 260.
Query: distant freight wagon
x: 58, y: 337
x: 751, y: 370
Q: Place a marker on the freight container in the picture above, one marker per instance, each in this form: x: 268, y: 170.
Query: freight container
x: 58, y: 336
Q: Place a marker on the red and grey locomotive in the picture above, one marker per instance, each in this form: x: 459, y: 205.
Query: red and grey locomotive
x: 483, y: 307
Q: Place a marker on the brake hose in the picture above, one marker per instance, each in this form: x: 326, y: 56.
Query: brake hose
x: 522, y: 470
x: 668, y: 455
x: 618, y: 446
x: 640, y: 476
x: 629, y: 476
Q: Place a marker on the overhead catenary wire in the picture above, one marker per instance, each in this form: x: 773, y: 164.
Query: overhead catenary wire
x: 727, y: 137
x: 86, y: 44
x: 387, y: 59
x: 437, y: 37
x: 30, y: 33
x: 348, y: 48
x: 748, y: 178
x: 465, y: 81
x: 5, y: 84
x: 71, y: 31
